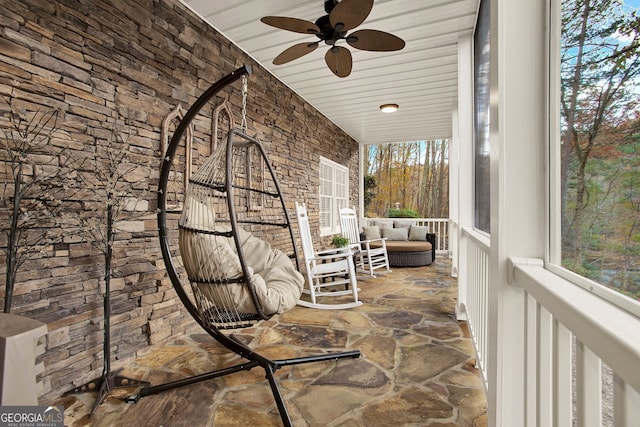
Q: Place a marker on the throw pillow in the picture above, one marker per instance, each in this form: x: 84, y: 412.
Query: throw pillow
x: 383, y: 224
x: 418, y: 233
x: 395, y: 233
x: 401, y: 224
x: 371, y: 233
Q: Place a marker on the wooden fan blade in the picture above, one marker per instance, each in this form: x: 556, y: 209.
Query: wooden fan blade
x: 349, y: 14
x: 294, y: 52
x: 375, y: 40
x: 291, y: 24
x: 339, y: 61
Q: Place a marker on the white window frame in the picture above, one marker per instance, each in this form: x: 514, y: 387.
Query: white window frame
x: 333, y: 194
x: 553, y: 257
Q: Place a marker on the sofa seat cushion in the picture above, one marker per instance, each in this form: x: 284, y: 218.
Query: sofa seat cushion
x: 404, y: 246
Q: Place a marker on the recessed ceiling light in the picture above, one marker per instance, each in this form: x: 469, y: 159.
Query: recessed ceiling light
x: 389, y: 108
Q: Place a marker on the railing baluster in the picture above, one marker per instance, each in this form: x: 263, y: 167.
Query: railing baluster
x: 626, y: 403
x: 588, y: 387
x: 562, y: 377
x: 531, y: 363
x: 545, y: 363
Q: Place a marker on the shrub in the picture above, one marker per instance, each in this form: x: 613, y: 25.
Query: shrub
x: 402, y: 213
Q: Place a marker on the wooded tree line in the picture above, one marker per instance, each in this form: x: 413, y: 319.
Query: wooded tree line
x: 409, y: 176
x: 600, y: 153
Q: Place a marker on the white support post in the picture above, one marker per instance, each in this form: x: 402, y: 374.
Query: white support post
x: 461, y: 152
x: 518, y: 135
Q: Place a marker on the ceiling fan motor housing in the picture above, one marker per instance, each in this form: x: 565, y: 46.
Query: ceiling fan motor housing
x: 327, y: 33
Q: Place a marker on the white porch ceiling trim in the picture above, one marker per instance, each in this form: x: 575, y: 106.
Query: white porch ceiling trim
x: 421, y: 78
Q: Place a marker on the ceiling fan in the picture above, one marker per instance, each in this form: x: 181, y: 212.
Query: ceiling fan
x: 341, y: 17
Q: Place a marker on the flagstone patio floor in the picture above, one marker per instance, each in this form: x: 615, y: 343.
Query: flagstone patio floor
x: 417, y: 367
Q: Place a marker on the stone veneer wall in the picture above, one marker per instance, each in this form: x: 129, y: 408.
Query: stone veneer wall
x: 101, y: 63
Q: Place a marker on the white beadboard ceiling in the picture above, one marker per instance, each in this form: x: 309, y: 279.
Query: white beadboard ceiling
x: 421, y: 78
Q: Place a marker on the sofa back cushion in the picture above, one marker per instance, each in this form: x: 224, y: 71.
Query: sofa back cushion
x: 418, y: 233
x: 395, y: 233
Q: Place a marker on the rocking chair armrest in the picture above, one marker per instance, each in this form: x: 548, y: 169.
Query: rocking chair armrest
x: 332, y: 254
x: 368, y: 242
x: 333, y: 251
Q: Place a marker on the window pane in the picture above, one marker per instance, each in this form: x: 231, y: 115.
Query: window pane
x: 482, y: 194
x: 326, y: 179
x: 325, y: 212
x: 334, y: 194
x: 600, y: 151
x: 342, y: 184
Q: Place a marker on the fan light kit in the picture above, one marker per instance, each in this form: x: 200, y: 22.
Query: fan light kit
x: 389, y: 108
x: 331, y: 28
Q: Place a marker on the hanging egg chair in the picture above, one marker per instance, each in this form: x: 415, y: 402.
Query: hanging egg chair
x: 235, y: 244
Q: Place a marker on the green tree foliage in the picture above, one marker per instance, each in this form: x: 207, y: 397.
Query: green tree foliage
x: 402, y: 213
x: 600, y: 67
x: 410, y: 177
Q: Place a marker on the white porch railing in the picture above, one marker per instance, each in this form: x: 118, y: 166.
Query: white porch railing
x: 438, y: 226
x: 475, y: 246
x: 574, y: 337
x: 581, y: 352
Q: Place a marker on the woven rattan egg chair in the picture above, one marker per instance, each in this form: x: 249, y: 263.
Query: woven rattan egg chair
x: 236, y: 246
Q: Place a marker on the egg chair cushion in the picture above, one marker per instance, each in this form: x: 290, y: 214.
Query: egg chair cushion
x: 210, y: 260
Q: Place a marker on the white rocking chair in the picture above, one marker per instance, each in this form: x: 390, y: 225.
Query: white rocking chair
x: 326, y: 270
x: 368, y: 258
